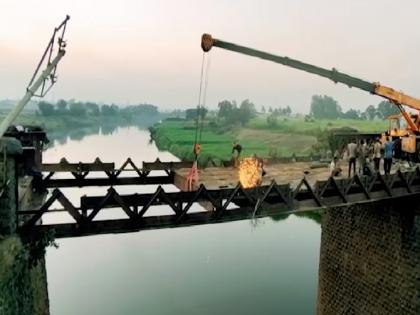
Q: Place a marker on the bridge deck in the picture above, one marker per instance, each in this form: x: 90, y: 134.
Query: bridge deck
x: 282, y: 173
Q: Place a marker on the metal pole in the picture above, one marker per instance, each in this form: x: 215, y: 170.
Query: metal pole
x: 30, y: 92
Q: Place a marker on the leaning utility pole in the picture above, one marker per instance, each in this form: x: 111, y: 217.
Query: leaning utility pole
x: 40, y: 80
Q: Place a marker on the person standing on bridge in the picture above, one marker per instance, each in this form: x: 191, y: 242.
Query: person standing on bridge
x: 377, y: 147
x: 238, y: 148
x: 362, y: 155
x: 352, y: 154
x: 388, y: 152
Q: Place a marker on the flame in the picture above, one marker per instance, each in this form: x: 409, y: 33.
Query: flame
x: 249, y: 172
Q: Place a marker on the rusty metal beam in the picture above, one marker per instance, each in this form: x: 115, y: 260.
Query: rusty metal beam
x: 161, y: 166
x: 66, y: 230
x: 106, y: 181
x: 266, y: 200
x: 77, y: 167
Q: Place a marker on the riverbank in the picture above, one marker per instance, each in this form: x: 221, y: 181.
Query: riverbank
x: 287, y: 138
x: 58, y: 123
x: 61, y: 127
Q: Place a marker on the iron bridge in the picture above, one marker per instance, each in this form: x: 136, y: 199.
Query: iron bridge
x: 220, y: 205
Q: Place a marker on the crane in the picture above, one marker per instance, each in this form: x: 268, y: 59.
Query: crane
x: 410, y: 136
x: 41, y: 82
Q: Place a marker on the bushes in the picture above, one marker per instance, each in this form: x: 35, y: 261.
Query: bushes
x: 272, y: 120
x: 23, y: 287
x: 273, y: 152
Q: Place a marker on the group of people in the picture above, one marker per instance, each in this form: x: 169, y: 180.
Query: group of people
x: 365, y: 154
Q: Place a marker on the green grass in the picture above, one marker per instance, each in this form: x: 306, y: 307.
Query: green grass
x: 299, y: 126
x: 179, y: 137
x: 291, y: 136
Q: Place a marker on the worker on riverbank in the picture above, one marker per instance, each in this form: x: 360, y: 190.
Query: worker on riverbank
x: 236, y: 153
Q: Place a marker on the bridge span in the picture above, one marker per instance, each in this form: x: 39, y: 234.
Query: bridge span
x: 218, y: 204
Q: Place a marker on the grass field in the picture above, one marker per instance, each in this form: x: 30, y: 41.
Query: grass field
x: 299, y: 126
x: 291, y: 136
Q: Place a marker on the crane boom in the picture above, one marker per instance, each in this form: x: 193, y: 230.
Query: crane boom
x: 397, y: 98
x: 334, y: 75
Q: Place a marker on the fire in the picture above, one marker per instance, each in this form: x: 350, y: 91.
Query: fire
x: 249, y: 172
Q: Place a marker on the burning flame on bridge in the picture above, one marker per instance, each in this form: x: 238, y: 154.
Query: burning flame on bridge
x: 250, y: 172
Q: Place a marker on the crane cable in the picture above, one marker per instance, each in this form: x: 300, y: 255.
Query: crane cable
x: 203, y: 106
x: 199, y: 121
x: 192, y: 176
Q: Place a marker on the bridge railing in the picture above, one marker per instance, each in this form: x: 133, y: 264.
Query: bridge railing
x: 79, y: 173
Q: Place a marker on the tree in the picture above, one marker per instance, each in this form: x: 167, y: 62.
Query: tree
x: 46, y: 109
x: 370, y: 112
x: 114, y: 109
x: 77, y: 109
x: 246, y: 111
x: 61, y: 106
x: 92, y: 108
x: 288, y: 111
x: 325, y: 107
x: 230, y: 112
x: 270, y: 110
x: 191, y: 113
x: 227, y: 111
x: 107, y: 110
x: 272, y: 120
x: 386, y: 108
x: 225, y: 108
x: 351, y: 114
x: 263, y: 109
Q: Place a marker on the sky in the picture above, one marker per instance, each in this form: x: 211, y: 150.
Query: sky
x: 133, y: 51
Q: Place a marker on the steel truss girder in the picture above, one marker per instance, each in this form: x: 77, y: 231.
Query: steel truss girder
x: 259, y: 201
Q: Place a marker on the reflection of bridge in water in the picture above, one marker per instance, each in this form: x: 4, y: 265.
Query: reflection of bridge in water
x: 370, y: 247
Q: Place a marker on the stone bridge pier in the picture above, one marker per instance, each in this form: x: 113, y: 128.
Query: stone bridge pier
x: 370, y: 259
x: 23, y: 282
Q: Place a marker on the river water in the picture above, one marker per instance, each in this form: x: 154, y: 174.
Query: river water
x: 264, y: 267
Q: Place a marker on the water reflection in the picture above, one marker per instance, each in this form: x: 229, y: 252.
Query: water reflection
x: 229, y: 268
x: 369, y: 258
x: 105, y: 127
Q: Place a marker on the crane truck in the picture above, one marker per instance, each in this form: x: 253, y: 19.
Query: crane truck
x: 409, y: 134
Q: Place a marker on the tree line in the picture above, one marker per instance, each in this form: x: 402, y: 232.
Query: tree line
x: 322, y: 107
x: 227, y: 111
x: 81, y: 109
x: 325, y: 107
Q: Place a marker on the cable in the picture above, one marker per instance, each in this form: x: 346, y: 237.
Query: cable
x: 199, y: 100
x: 205, y: 95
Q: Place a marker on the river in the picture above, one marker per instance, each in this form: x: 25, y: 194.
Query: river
x: 264, y: 267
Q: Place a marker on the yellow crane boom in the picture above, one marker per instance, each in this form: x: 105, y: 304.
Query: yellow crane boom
x: 396, y: 97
